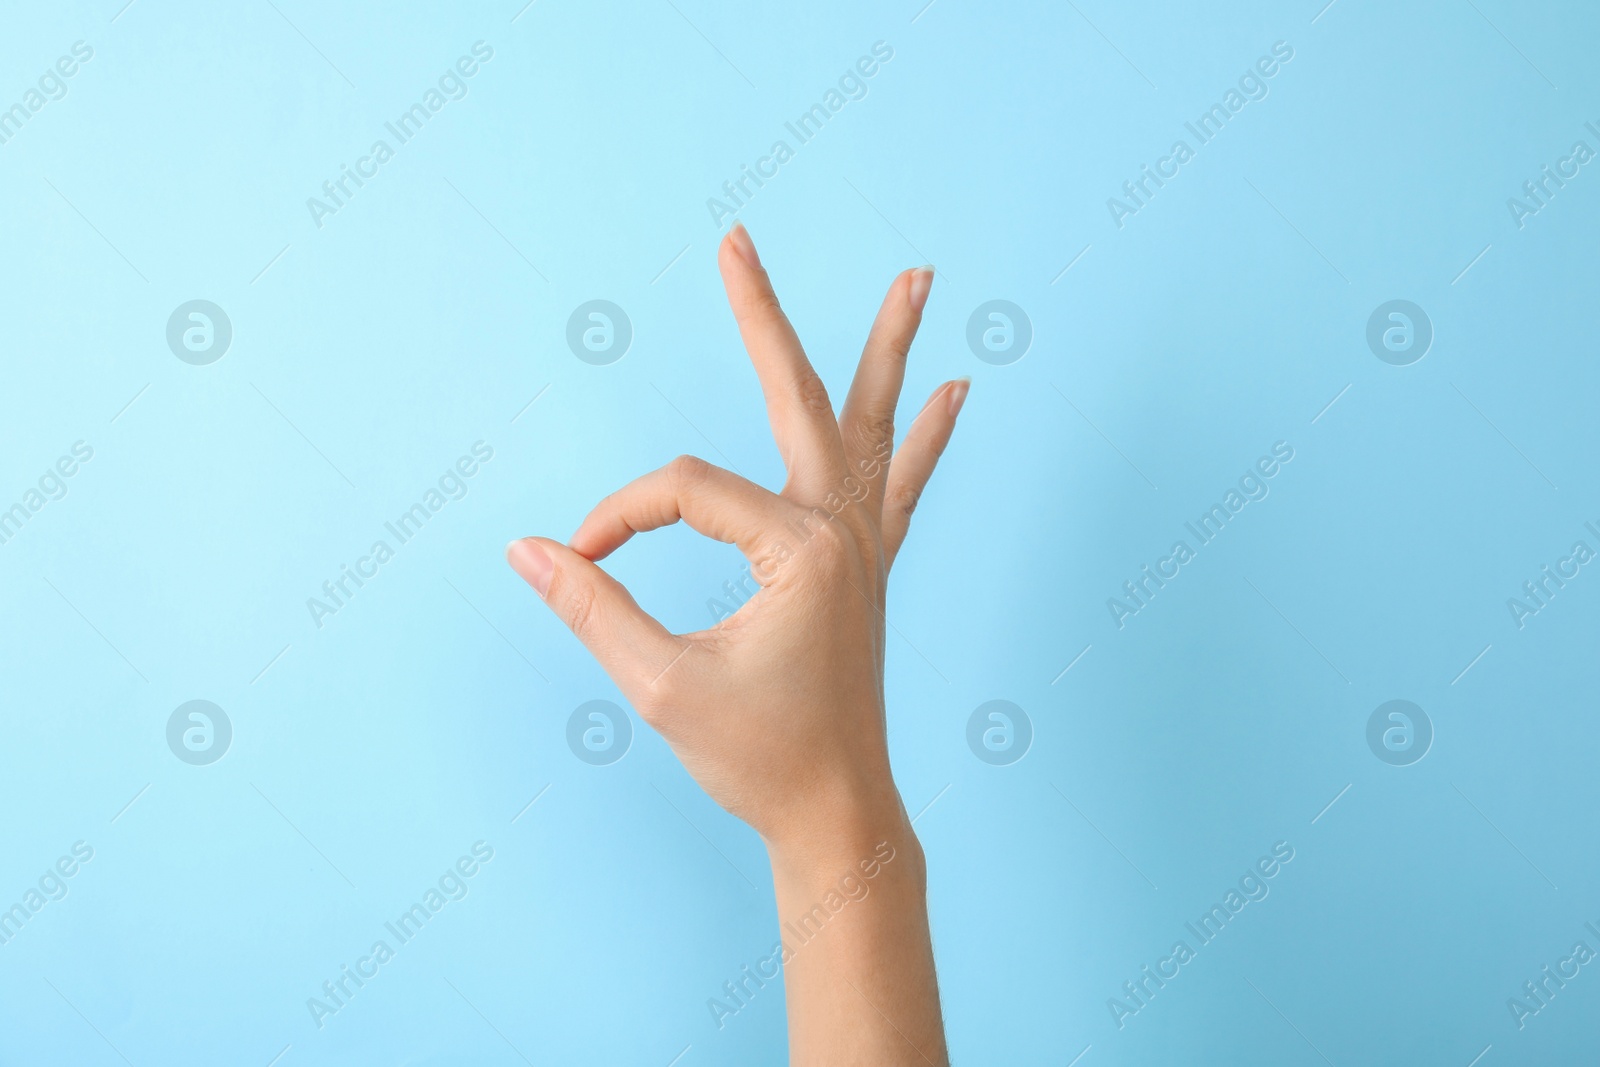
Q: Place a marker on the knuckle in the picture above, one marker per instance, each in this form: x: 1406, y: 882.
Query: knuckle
x: 897, y: 345
x: 903, y: 499
x: 688, y: 471
x: 652, y: 706
x: 580, y: 609
x: 874, y: 433
x: 765, y: 303
x: 813, y: 395
x: 666, y: 690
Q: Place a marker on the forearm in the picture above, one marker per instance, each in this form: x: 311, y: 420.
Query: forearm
x: 859, y: 971
x: 778, y: 710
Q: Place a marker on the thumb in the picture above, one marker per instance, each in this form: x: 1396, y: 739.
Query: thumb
x: 629, y: 643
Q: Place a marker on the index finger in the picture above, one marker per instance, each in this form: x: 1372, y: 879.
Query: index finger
x: 717, y: 503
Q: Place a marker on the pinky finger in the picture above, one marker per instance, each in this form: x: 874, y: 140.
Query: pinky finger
x: 915, y: 459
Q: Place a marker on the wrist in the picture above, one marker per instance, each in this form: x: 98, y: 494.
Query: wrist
x: 861, y: 832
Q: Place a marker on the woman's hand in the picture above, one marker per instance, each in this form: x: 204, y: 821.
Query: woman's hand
x: 778, y: 711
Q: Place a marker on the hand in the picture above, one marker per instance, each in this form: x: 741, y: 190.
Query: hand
x: 777, y: 711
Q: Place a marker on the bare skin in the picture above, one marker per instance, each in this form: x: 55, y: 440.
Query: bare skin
x: 778, y: 711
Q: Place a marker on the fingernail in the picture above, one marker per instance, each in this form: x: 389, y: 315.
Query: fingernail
x: 743, y: 245
x: 958, y: 395
x: 531, y: 561
x: 921, y: 282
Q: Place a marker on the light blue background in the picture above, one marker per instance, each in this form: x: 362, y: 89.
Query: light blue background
x: 370, y: 353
